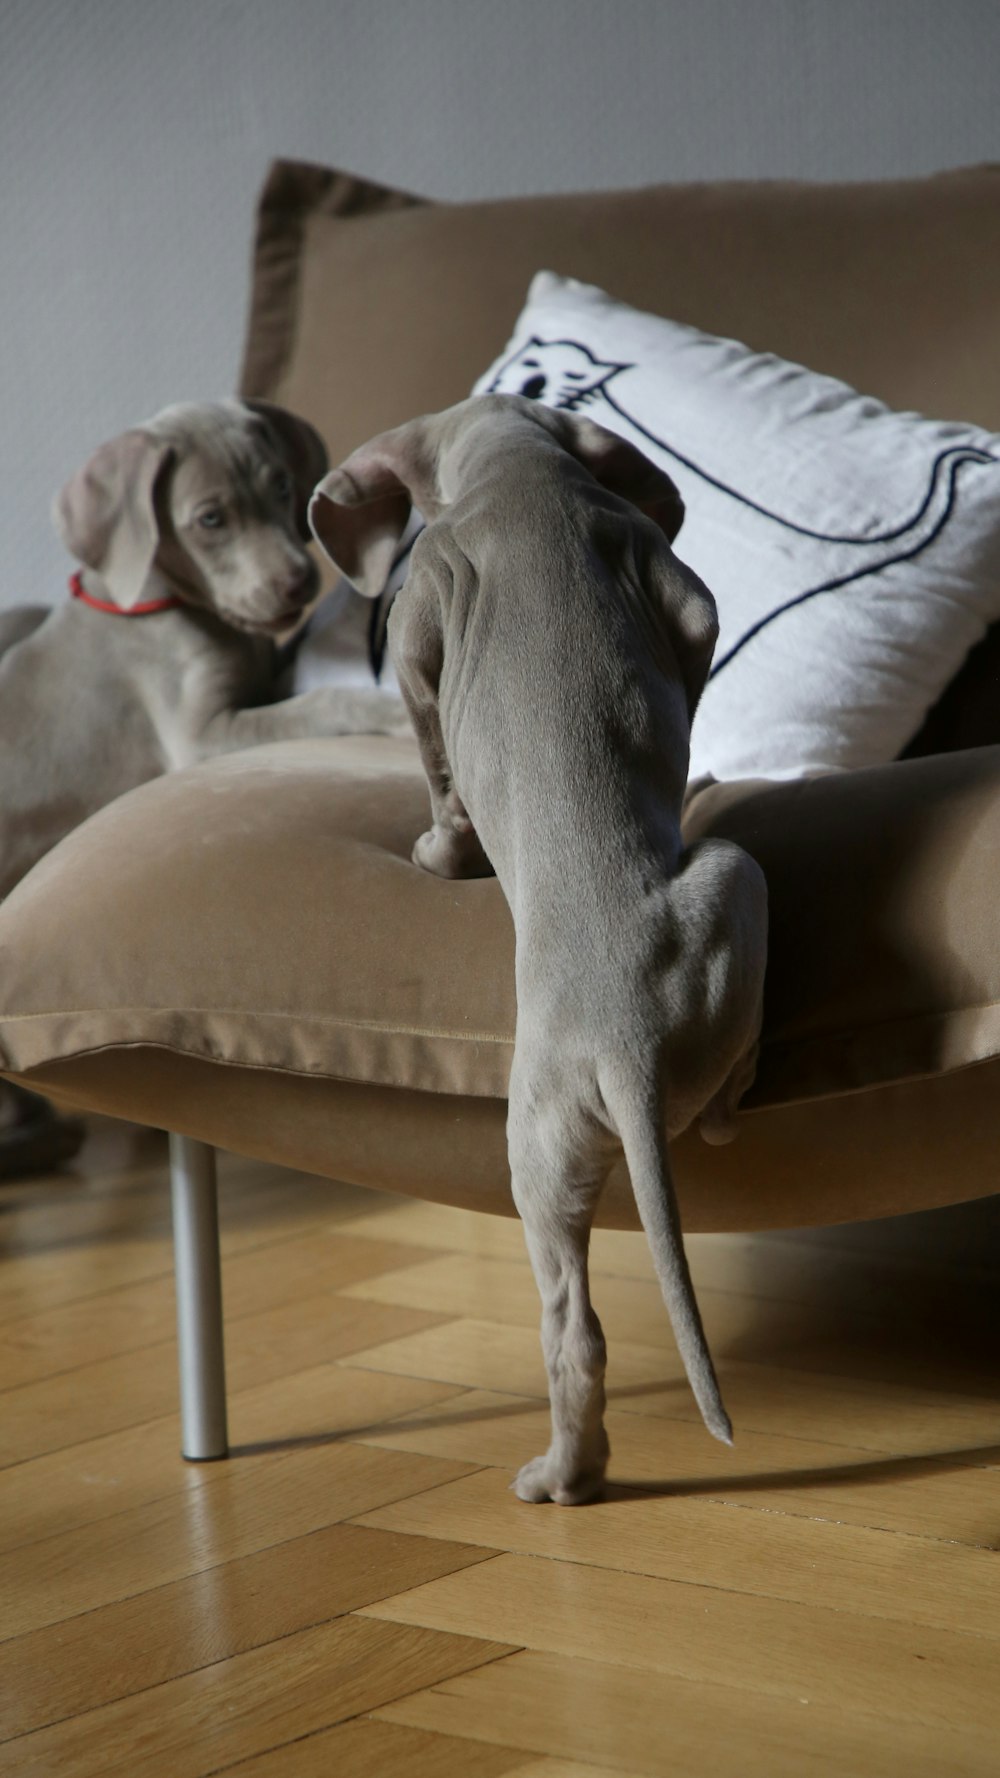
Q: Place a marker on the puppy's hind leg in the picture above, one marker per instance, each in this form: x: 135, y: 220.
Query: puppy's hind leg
x: 556, y: 1204
x: 717, y: 1122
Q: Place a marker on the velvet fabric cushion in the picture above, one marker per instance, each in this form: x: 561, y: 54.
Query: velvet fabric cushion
x: 255, y: 925
x: 369, y: 305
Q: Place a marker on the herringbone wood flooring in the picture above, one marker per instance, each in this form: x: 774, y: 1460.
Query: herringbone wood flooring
x: 356, y: 1592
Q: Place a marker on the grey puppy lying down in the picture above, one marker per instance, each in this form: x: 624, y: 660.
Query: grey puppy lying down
x: 192, y: 526
x: 551, y: 649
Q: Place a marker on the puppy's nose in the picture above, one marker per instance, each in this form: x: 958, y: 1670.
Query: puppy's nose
x: 300, y: 586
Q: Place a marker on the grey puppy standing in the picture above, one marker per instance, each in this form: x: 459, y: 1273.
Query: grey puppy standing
x: 551, y: 649
x: 192, y: 527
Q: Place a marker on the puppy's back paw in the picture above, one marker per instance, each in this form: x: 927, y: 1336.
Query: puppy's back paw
x: 540, y: 1480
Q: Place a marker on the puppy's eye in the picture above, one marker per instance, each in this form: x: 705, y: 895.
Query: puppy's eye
x: 211, y: 518
x: 282, y: 485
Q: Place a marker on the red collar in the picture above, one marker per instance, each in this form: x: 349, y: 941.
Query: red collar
x: 79, y: 591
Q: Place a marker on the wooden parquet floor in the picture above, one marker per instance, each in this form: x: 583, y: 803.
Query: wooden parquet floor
x: 357, y: 1593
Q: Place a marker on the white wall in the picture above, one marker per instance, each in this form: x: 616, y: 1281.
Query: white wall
x: 134, y: 135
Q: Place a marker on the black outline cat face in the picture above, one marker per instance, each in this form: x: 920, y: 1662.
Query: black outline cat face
x: 561, y: 373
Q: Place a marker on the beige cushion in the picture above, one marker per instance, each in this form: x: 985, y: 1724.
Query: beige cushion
x: 369, y: 306
x: 260, y: 912
x: 911, y: 1146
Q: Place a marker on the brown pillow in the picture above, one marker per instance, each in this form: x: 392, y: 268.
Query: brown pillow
x: 370, y: 306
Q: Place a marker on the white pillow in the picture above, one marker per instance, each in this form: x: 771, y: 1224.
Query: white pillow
x: 854, y: 552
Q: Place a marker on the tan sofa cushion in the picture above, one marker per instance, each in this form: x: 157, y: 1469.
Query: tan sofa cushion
x: 261, y: 912
x: 370, y: 306
x: 911, y: 1146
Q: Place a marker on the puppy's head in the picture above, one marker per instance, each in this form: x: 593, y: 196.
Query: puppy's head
x: 613, y: 462
x: 687, y: 609
x: 359, y: 512
x: 206, y: 501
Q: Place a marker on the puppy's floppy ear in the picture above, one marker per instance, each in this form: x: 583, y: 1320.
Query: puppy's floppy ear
x: 106, y: 514
x: 623, y: 469
x: 303, y: 450
x: 359, y: 512
x: 691, y: 620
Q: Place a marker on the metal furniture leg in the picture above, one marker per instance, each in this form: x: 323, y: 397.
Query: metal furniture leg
x: 199, y: 1299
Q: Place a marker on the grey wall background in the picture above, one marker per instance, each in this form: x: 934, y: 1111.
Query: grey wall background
x: 134, y: 137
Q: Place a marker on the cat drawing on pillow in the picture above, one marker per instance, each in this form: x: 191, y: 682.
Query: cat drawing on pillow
x: 802, y: 559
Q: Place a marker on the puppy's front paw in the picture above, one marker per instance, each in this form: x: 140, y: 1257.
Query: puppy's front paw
x: 541, y: 1480
x: 446, y: 853
x: 433, y: 853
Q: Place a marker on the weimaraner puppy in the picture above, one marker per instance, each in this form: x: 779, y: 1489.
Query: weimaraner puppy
x: 191, y: 533
x: 551, y: 649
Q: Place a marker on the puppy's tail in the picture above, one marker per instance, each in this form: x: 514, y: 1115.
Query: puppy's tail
x: 638, y: 1117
